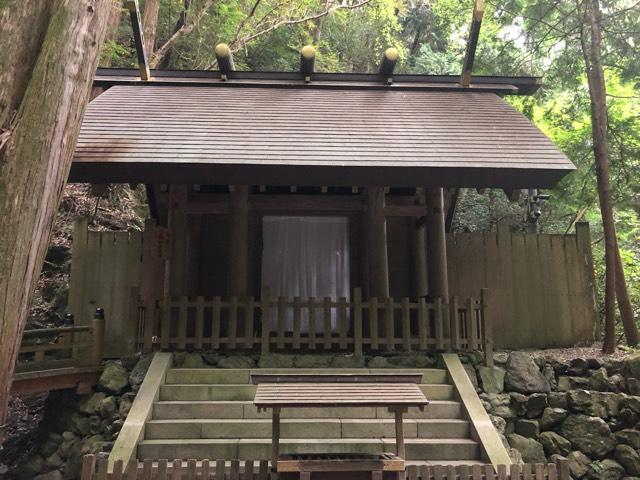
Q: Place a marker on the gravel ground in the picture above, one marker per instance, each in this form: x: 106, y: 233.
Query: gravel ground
x: 566, y: 354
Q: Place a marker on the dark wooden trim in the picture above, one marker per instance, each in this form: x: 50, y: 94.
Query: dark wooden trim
x: 106, y: 77
x: 301, y: 175
x: 138, y: 37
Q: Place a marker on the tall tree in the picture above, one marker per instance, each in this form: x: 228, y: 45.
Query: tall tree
x: 48, y: 57
x: 591, y: 42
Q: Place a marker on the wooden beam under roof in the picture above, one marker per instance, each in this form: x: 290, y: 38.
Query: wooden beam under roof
x: 138, y: 37
x: 472, y: 43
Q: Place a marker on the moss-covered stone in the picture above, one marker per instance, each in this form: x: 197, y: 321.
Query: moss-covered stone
x: 275, y: 360
x: 348, y: 361
x: 530, y: 449
x: 378, y: 362
x: 114, y: 379
x: 605, y: 470
x: 193, y: 360
x: 628, y: 458
x: 237, y: 361
x: 313, y: 361
x: 554, y: 443
x: 590, y: 435
x: 91, y: 403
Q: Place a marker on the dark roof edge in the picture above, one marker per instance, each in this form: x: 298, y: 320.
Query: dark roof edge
x: 106, y: 77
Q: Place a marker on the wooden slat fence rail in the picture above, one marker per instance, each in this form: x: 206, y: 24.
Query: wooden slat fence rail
x: 47, y: 348
x: 281, y: 324
x: 96, y: 469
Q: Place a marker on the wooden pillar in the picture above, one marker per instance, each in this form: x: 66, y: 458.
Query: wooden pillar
x: 418, y: 229
x: 436, y: 245
x: 239, y: 242
x: 376, y: 244
x: 176, y: 284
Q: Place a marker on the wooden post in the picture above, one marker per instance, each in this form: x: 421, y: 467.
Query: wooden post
x: 399, y: 431
x: 563, y: 469
x: 98, y: 337
x: 239, y: 241
x: 138, y: 37
x: 419, y: 244
x: 376, y: 241
x: 357, y: 321
x: 472, y: 42
x: 487, y: 328
x: 265, y: 307
x: 454, y: 324
x: 177, y: 222
x: 388, y: 64
x: 307, y: 61
x: 436, y: 245
x: 275, y: 438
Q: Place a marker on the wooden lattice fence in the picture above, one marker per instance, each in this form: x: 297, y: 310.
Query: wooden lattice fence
x: 317, y: 323
x: 96, y: 469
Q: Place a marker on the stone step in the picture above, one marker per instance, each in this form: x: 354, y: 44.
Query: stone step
x: 194, y: 409
x: 260, y: 449
x: 246, y: 392
x: 235, y: 376
x: 304, y: 428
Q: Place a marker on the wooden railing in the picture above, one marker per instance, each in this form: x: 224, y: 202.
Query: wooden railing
x: 224, y: 470
x: 316, y: 324
x: 47, y: 348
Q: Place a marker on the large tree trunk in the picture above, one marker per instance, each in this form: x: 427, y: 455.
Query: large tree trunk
x: 47, y: 61
x: 597, y: 91
x: 624, y: 304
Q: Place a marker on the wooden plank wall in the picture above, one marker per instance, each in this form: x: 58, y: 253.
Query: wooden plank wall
x: 542, y: 286
x: 104, y: 268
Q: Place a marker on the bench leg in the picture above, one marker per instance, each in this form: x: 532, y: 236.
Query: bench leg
x: 376, y: 475
x: 305, y: 475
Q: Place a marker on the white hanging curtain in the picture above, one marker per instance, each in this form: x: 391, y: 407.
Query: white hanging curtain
x: 305, y: 257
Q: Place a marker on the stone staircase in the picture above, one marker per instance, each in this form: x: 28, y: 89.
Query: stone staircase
x: 209, y: 414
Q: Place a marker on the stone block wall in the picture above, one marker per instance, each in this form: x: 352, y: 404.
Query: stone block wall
x: 586, y: 410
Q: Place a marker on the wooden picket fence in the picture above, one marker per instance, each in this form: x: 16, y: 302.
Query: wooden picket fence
x: 356, y: 325
x: 48, y: 348
x: 96, y: 469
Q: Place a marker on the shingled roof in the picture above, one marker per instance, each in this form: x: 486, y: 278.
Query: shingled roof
x: 280, y: 135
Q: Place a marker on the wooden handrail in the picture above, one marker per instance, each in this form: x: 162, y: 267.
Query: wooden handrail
x: 76, y: 345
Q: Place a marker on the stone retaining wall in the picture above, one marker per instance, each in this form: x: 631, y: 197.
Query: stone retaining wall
x: 586, y: 410
x: 75, y: 425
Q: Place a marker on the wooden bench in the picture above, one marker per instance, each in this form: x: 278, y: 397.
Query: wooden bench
x: 397, y: 392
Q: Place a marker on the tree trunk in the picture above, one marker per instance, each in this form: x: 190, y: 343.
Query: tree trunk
x: 597, y: 93
x: 624, y: 304
x: 150, y: 24
x: 49, y: 55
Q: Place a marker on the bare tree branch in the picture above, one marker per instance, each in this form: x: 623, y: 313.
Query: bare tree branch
x: 283, y: 22
x: 186, y: 29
